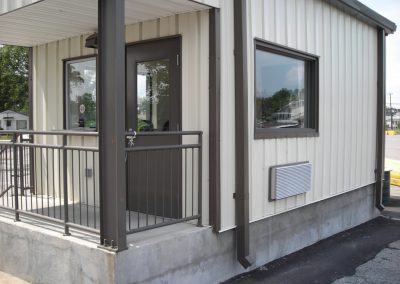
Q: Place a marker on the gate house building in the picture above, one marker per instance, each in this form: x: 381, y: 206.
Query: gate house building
x: 189, y: 141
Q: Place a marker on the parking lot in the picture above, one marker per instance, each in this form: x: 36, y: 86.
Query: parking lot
x: 393, y: 147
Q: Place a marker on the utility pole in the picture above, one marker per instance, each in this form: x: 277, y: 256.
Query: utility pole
x: 391, y: 112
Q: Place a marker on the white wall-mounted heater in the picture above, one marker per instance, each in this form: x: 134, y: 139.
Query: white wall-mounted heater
x: 290, y: 180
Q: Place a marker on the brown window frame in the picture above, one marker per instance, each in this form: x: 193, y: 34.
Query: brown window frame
x: 311, y: 128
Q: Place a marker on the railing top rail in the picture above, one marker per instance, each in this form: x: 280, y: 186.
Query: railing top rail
x: 165, y: 133
x: 53, y: 132
x: 95, y: 134
x: 166, y: 147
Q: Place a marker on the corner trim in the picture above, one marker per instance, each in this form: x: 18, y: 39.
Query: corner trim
x: 364, y: 13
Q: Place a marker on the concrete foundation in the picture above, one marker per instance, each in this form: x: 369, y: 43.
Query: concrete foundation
x: 181, y: 253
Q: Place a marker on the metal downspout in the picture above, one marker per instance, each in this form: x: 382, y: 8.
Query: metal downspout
x: 380, y: 123
x: 241, y: 135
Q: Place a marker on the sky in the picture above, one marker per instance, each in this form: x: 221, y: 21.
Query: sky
x: 391, y: 10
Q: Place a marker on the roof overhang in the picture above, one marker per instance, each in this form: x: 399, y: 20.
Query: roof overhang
x: 50, y: 20
x: 365, y: 14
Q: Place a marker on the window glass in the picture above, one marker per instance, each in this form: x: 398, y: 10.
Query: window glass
x: 153, y: 99
x: 286, y: 92
x: 81, y: 94
x: 280, y: 91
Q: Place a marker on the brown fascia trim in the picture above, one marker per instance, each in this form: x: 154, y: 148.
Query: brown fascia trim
x: 214, y: 122
x: 380, y: 119
x: 365, y: 14
x: 241, y: 135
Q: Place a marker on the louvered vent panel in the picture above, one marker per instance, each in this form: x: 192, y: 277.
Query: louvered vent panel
x: 290, y: 180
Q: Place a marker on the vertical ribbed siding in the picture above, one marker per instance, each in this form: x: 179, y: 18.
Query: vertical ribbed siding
x: 193, y: 27
x: 343, y: 154
x: 227, y: 116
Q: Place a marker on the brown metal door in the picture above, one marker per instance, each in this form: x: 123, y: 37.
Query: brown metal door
x: 154, y: 178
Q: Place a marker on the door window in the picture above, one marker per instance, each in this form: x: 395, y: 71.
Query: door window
x: 153, y: 98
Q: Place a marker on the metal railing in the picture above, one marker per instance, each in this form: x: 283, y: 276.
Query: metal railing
x: 51, y: 176
x: 164, y: 179
x: 54, y: 176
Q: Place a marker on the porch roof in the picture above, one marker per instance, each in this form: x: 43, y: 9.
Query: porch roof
x: 50, y: 20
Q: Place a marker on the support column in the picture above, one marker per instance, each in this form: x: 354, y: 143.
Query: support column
x: 111, y: 108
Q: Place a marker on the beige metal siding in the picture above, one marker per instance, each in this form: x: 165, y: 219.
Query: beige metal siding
x: 193, y: 27
x: 343, y: 154
x: 227, y: 117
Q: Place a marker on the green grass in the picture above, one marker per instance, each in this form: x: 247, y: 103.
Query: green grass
x: 5, y: 137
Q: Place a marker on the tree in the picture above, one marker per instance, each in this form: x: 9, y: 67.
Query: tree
x: 14, y: 66
x: 269, y: 105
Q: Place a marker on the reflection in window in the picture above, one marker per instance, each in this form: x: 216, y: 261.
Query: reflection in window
x: 280, y: 91
x: 153, y: 100
x: 81, y: 94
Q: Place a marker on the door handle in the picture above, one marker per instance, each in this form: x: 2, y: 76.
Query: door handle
x: 131, y: 139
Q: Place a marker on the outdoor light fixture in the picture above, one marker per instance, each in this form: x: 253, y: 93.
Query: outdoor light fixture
x: 91, y: 41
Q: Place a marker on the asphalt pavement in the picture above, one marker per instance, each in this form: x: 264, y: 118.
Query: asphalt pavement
x: 392, y: 144
x: 369, y: 253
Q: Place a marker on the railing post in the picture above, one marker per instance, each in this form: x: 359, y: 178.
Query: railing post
x: 65, y: 185
x: 200, y: 177
x: 15, y: 172
x: 21, y: 169
x: 31, y: 166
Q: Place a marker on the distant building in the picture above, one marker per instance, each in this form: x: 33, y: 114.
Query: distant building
x: 12, y: 120
x: 396, y: 120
